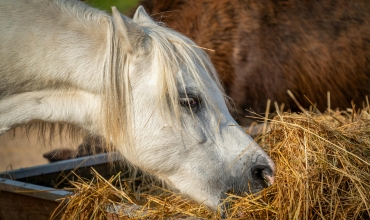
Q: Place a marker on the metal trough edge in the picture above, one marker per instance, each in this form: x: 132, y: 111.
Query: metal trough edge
x: 61, y: 165
x: 32, y: 190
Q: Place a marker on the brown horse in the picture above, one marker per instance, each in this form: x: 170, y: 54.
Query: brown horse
x: 265, y: 47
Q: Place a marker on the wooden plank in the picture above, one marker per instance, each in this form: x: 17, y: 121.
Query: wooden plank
x: 20, y: 199
x: 15, y: 206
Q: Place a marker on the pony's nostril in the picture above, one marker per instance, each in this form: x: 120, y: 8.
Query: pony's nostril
x: 263, y: 173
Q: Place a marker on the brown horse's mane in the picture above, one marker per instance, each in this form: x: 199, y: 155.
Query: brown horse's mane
x: 264, y: 48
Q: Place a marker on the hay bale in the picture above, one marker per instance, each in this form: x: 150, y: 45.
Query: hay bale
x: 323, y: 168
x: 323, y: 172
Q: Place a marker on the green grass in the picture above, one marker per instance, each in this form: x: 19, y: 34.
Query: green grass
x: 124, y: 6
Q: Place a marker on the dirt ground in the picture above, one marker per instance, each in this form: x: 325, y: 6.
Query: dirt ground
x: 25, y: 150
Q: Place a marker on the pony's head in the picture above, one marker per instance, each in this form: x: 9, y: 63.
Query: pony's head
x: 165, y: 103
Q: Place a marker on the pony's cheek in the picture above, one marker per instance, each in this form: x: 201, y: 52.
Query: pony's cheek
x: 198, y: 136
x: 188, y: 138
x: 195, y: 127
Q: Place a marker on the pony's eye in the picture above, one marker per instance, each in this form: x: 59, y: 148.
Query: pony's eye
x: 191, y: 103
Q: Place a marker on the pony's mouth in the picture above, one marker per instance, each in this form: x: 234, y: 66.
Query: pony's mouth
x: 223, y: 209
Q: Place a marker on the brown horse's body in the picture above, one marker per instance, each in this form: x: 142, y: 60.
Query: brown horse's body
x: 265, y: 47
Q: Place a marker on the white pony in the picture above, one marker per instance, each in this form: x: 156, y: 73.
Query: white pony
x: 149, y: 90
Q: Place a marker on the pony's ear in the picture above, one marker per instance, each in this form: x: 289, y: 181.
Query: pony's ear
x: 142, y: 16
x: 130, y: 33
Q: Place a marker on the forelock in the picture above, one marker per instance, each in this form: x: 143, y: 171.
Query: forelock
x: 173, y: 56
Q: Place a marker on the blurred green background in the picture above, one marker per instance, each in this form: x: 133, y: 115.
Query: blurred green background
x: 124, y: 6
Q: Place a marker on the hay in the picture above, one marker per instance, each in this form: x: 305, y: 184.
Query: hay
x: 323, y: 172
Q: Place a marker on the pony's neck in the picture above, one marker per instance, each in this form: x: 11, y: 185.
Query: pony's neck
x: 66, y: 45
x: 90, y: 34
x: 72, y: 40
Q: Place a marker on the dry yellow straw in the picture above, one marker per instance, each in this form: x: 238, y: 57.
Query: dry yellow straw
x: 323, y: 172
